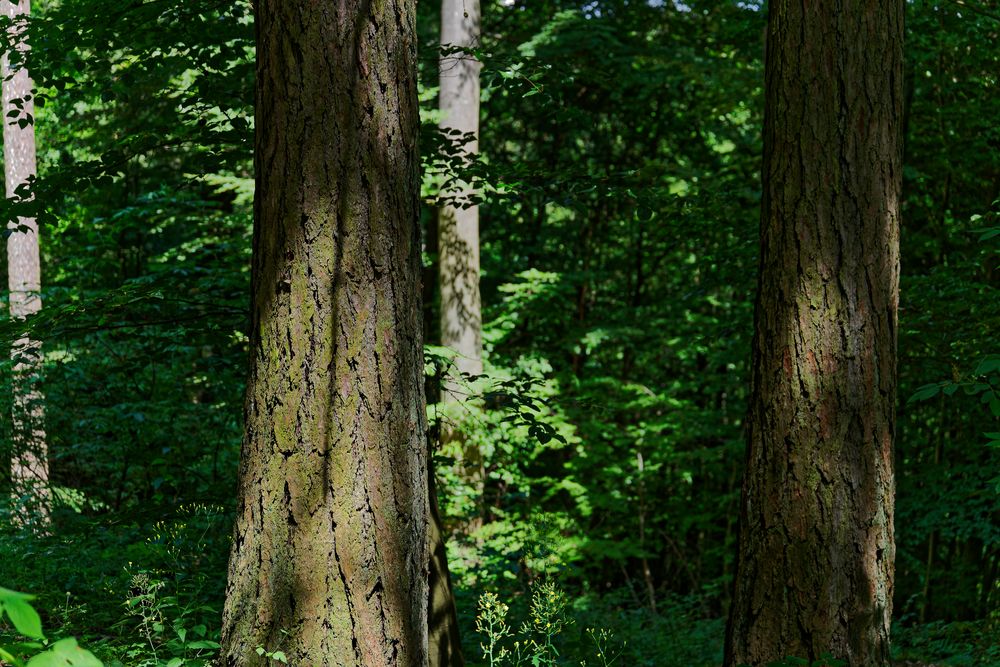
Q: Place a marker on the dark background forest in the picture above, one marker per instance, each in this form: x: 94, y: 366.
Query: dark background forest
x: 619, y: 172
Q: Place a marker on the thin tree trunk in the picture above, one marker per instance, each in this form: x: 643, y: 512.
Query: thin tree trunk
x: 29, y: 460
x: 458, y: 222
x: 461, y: 311
x: 444, y: 640
x: 815, y: 569
x: 329, y: 560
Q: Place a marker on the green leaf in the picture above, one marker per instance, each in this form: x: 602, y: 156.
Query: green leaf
x: 925, y: 392
x: 24, y: 617
x: 175, y: 662
x: 203, y: 643
x: 72, y: 655
x: 7, y: 594
x: 6, y: 656
x: 987, y: 366
x: 47, y: 659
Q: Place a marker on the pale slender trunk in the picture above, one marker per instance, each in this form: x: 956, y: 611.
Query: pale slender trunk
x: 29, y: 459
x: 458, y: 226
x: 461, y: 312
x: 815, y: 567
x: 329, y: 560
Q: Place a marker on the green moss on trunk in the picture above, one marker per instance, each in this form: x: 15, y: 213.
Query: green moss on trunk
x: 329, y: 561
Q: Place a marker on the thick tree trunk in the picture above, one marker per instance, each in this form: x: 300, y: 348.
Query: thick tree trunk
x: 815, y: 568
x: 329, y: 561
x: 29, y: 460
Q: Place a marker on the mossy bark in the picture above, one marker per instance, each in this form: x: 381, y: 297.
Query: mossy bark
x: 815, y: 568
x: 329, y: 561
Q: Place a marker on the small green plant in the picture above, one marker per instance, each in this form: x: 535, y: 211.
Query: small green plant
x: 144, y: 605
x: 547, y: 619
x: 168, y: 639
x: 277, y: 656
x: 491, y: 622
x: 536, y: 642
x: 603, y: 639
x: 63, y: 653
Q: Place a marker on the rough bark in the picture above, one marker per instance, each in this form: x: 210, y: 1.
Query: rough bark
x: 329, y: 560
x: 29, y: 459
x: 815, y: 569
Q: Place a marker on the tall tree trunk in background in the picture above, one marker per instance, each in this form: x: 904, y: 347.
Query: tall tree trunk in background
x: 329, y: 559
x: 815, y: 569
x: 458, y: 228
x: 29, y: 458
x: 458, y: 222
x: 461, y: 311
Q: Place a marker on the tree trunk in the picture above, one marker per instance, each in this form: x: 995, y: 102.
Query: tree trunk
x: 444, y: 640
x: 815, y: 570
x: 458, y: 227
x: 329, y: 560
x: 29, y: 460
x: 461, y: 312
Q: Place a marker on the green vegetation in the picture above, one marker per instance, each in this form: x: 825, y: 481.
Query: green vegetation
x: 618, y: 184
